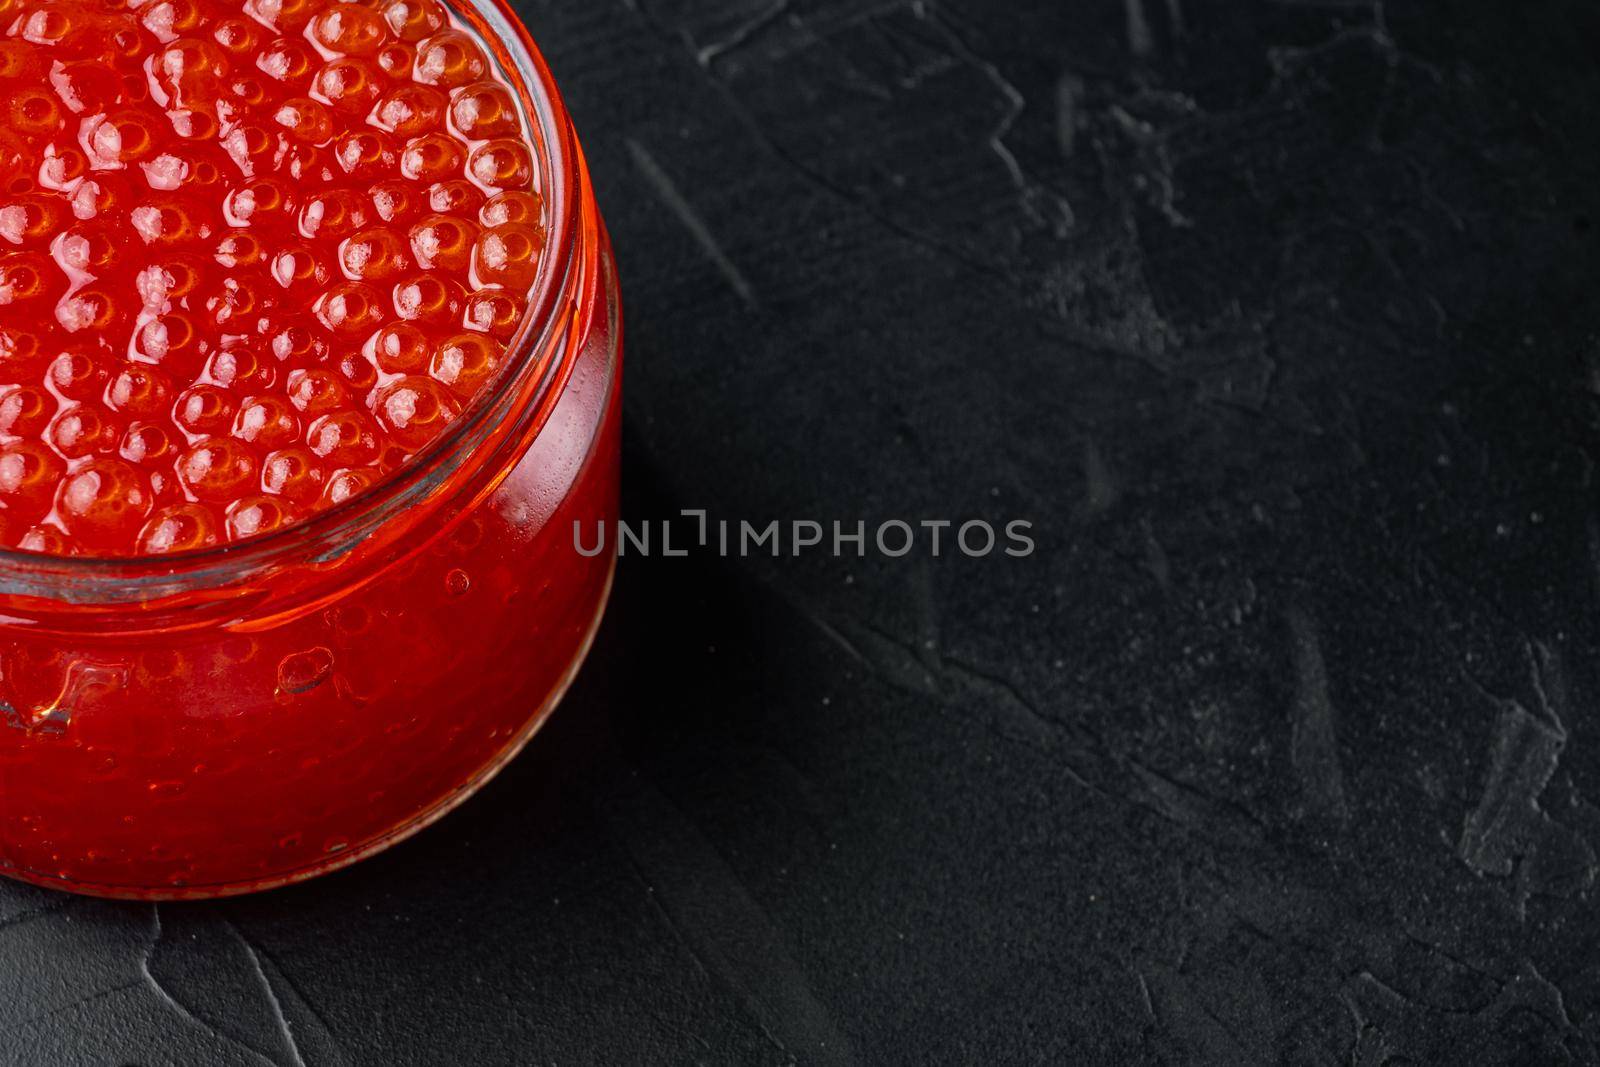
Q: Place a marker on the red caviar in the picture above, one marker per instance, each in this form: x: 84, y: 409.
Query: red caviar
x: 309, y: 367
x: 235, y: 236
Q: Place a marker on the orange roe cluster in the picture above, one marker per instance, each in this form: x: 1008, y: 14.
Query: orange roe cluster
x: 253, y: 256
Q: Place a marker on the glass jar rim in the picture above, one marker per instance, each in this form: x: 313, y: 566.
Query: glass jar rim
x: 96, y: 579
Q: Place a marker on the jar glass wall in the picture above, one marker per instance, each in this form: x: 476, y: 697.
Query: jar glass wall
x: 234, y: 719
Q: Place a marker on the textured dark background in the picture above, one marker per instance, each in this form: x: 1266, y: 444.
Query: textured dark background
x: 1277, y: 320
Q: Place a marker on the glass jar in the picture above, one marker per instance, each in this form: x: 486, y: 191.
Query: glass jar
x: 234, y: 719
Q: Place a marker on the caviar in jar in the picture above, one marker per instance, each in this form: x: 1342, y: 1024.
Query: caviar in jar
x: 309, y: 362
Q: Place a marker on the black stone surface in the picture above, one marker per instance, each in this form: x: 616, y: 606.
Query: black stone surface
x: 1276, y: 319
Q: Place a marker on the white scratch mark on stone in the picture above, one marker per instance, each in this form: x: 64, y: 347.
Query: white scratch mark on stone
x: 670, y: 195
x: 278, y: 1017
x: 1140, y: 42
x: 1043, y: 206
x: 1523, y: 755
x: 160, y: 991
x: 1313, y: 746
x: 709, y: 54
x: 1069, y: 90
x: 1175, y: 18
x: 1100, y: 491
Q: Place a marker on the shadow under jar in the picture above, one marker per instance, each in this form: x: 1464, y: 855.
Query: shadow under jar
x: 233, y: 719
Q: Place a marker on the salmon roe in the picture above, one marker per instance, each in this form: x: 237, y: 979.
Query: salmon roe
x: 254, y: 256
x: 253, y: 262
